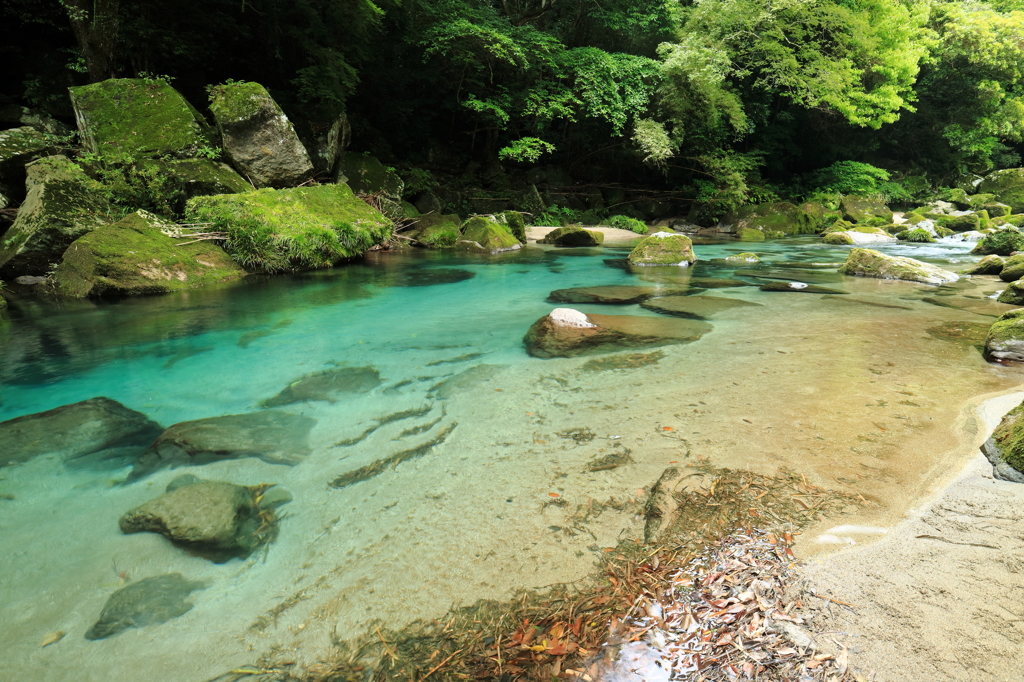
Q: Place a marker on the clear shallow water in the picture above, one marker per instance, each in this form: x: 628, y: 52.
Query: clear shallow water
x: 856, y: 393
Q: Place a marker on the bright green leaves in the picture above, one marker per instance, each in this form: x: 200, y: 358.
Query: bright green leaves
x: 611, y: 87
x: 527, y: 150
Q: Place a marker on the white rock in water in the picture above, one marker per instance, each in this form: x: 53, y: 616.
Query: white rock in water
x: 567, y: 317
x: 797, y: 285
x: 662, y: 235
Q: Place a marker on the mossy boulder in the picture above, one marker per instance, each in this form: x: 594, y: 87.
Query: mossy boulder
x: 664, y: 248
x: 258, y: 138
x: 871, y: 263
x: 996, y: 209
x: 960, y: 223
x: 1008, y: 187
x: 780, y: 216
x: 304, y: 227
x: 989, y: 265
x: 918, y: 234
x: 485, y: 235
x: 136, y: 256
x: 1013, y: 268
x: 1013, y: 294
x: 566, y: 332
x: 516, y: 224
x: 839, y: 238
x: 1005, y: 449
x: 187, y: 178
x: 436, y: 231
x: 1002, y: 242
x: 367, y: 175
x: 138, y: 117
x: 743, y: 258
x: 1005, y: 339
x: 573, y: 235
x: 62, y: 204
x: 18, y: 147
x: 857, y: 209
x: 750, y: 234
x: 859, y: 236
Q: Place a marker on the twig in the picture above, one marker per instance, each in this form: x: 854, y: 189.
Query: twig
x: 394, y: 656
x: 438, y: 666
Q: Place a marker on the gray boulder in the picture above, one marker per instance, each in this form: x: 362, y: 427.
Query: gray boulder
x: 98, y: 430
x: 214, y: 519
x: 871, y: 263
x: 62, y: 204
x: 258, y: 138
x: 150, y: 601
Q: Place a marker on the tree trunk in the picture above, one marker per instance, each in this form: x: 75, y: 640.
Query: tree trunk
x: 95, y: 25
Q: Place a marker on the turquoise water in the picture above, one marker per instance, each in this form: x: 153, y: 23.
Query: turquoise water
x: 866, y: 393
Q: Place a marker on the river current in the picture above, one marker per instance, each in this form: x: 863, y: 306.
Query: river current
x: 870, y: 392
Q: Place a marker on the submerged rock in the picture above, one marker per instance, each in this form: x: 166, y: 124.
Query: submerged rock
x: 258, y: 138
x: 138, y: 116
x: 871, y: 263
x: 790, y: 274
x: 149, y: 601
x: 136, y: 256
x: 663, y: 248
x: 573, y: 235
x: 485, y: 235
x: 213, y: 519
x: 859, y: 236
x: 98, y: 430
x: 699, y: 307
x: 465, y: 380
x: 329, y: 385
x: 614, y: 295
x: 1008, y: 187
x: 1005, y: 449
x: 303, y: 227
x: 272, y: 436
x: 567, y: 333
x: 799, y: 287
x: 989, y: 265
x: 1005, y: 339
x: 62, y: 204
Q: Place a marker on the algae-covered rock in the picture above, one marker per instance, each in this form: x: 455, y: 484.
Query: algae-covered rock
x: 744, y: 258
x: 149, y: 601
x: 859, y: 236
x: 1013, y: 268
x: 1005, y: 449
x: 918, y: 235
x: 871, y: 263
x: 138, y: 116
x: 187, y: 178
x: 365, y: 174
x: 485, y: 235
x: 663, y: 248
x: 62, y: 205
x: 1013, y: 294
x: 840, y: 238
x: 699, y: 307
x: 436, y: 230
x: 258, y: 138
x: 98, y: 430
x: 611, y: 294
x: 858, y: 209
x: 989, y: 265
x: 573, y: 235
x: 772, y: 218
x: 215, y: 519
x: 516, y: 224
x: 960, y: 223
x: 1006, y: 335
x: 750, y: 234
x: 18, y: 147
x: 135, y: 256
x: 568, y: 333
x: 1008, y: 187
x: 1002, y: 242
x: 303, y: 227
x: 269, y: 435
x: 328, y: 386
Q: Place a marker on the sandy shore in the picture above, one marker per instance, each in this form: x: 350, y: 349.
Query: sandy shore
x: 941, y: 595
x: 612, y: 235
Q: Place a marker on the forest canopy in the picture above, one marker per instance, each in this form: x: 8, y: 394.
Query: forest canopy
x: 718, y: 101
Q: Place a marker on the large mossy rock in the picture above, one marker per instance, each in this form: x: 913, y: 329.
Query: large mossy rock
x: 149, y: 601
x: 568, y: 333
x: 1005, y: 339
x: 663, y: 248
x: 1013, y: 294
x: 1002, y: 242
x: 859, y: 236
x: 485, y: 235
x: 365, y: 174
x: 1013, y: 268
x: 18, y: 147
x: 989, y: 265
x: 215, y: 519
x: 62, y: 204
x: 1005, y: 449
x: 858, y: 209
x: 138, y: 117
x: 299, y: 228
x: 871, y: 263
x: 1008, y: 187
x: 780, y: 216
x: 573, y: 235
x: 135, y: 256
x: 272, y: 436
x: 187, y: 178
x: 94, y: 431
x: 258, y: 138
x: 436, y: 231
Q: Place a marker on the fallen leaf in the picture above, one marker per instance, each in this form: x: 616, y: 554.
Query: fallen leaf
x: 52, y: 638
x: 553, y: 495
x: 667, y: 428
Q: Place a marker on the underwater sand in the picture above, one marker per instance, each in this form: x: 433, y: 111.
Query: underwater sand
x: 872, y: 393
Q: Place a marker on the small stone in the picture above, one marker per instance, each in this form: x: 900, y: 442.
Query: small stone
x: 147, y: 602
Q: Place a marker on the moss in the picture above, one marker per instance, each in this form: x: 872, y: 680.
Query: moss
x: 996, y: 210
x: 989, y: 265
x: 486, y: 235
x: 516, y: 224
x: 1013, y: 269
x: 749, y: 234
x: 1013, y: 294
x: 917, y: 235
x: 912, y: 218
x: 781, y: 217
x: 237, y: 102
x: 1003, y: 242
x: 662, y: 248
x: 134, y: 256
x: 18, y: 146
x: 958, y: 223
x: 573, y: 235
x: 858, y: 209
x: 1009, y: 437
x: 1007, y: 186
x: 409, y: 211
x: 138, y: 116
x: 871, y: 263
x: 367, y: 175
x: 838, y: 239
x: 304, y: 227
x: 623, y: 222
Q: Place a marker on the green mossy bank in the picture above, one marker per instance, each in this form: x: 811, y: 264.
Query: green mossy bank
x: 272, y: 230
